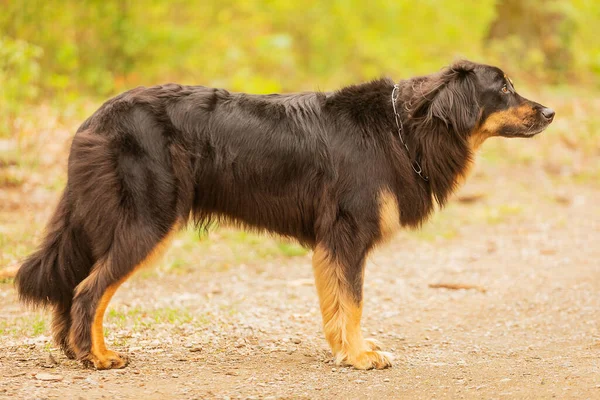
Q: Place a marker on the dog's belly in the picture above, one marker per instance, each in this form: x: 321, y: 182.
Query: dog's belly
x: 276, y: 202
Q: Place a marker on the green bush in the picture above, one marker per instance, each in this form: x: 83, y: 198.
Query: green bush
x: 19, y: 79
x: 61, y: 49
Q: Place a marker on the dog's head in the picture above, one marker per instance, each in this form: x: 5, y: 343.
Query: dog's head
x: 476, y: 101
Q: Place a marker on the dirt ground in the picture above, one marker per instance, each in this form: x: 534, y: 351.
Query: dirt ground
x: 528, y: 329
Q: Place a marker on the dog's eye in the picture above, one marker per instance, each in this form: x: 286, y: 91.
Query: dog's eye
x: 505, y: 89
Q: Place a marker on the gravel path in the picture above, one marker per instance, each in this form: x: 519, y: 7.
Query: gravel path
x: 528, y: 329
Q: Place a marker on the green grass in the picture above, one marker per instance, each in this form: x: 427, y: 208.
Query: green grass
x: 442, y: 225
x: 446, y: 224
x: 39, y: 326
x: 27, y: 326
x: 290, y: 249
x: 249, y: 246
x: 221, y: 248
x: 170, y: 315
x: 140, y: 319
x: 499, y: 214
x: 16, y: 242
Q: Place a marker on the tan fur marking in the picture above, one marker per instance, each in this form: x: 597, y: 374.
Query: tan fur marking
x: 475, y: 140
x: 99, y: 354
x: 389, y: 215
x: 515, y: 116
x: 341, y: 317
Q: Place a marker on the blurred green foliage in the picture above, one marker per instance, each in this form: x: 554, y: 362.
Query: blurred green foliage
x: 19, y: 78
x: 57, y: 50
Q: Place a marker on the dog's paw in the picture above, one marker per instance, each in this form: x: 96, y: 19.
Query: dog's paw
x: 368, y: 359
x: 365, y: 356
x: 106, y: 360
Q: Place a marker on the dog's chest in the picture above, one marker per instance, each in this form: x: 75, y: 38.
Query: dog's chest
x: 389, y: 215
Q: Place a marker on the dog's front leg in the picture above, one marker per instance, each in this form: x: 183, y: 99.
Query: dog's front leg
x: 339, y: 285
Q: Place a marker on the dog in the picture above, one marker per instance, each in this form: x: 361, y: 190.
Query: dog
x: 339, y: 171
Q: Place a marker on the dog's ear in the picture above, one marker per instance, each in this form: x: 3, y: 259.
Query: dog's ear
x: 456, y: 102
x: 450, y: 98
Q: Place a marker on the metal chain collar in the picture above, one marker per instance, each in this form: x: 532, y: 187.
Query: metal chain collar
x: 414, y: 163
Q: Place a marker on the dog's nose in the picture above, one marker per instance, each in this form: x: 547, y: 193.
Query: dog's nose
x: 548, y: 113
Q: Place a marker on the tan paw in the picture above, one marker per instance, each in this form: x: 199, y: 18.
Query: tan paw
x: 365, y: 356
x: 370, y: 359
x: 108, y: 360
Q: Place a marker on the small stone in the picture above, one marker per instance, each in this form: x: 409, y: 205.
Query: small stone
x: 386, y: 379
x: 90, y: 380
x: 51, y: 360
x: 333, y: 369
x: 48, y: 364
x: 175, y: 375
x: 296, y: 340
x: 359, y: 381
x: 196, y: 349
x: 42, y: 376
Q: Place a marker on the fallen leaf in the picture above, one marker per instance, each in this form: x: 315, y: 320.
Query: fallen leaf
x: 457, y: 286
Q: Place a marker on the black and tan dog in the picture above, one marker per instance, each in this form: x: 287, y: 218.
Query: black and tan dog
x: 340, y: 172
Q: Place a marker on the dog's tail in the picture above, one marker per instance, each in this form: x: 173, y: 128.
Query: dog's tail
x: 50, y: 275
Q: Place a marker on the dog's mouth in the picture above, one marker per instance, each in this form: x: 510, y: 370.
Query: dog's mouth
x: 527, y: 129
x: 531, y: 130
x: 543, y: 120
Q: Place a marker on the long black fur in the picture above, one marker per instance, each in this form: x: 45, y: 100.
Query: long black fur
x: 308, y: 166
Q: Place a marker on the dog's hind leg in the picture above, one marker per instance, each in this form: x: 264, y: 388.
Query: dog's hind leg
x: 95, y: 292
x: 61, y: 325
x: 339, y: 282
